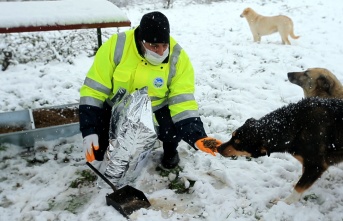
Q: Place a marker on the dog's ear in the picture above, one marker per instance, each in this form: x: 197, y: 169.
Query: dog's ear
x: 246, y: 11
x: 325, y: 83
x: 250, y: 121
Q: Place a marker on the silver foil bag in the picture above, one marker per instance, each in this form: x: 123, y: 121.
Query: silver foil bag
x: 132, y: 136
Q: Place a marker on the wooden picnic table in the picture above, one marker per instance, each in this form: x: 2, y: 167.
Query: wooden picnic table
x: 32, y: 16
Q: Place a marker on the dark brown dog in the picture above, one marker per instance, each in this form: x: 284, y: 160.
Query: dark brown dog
x: 311, y: 130
x: 317, y: 82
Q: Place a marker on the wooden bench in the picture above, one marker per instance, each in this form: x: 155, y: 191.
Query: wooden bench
x: 57, y: 15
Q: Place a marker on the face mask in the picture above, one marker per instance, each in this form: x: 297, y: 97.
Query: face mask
x: 154, y: 58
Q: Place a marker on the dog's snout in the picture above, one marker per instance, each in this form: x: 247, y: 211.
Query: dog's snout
x: 220, y: 148
x: 226, y: 150
x: 290, y: 75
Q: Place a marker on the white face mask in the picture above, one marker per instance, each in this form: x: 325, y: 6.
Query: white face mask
x: 154, y: 58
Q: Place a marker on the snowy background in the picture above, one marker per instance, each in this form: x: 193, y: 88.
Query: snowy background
x: 235, y: 79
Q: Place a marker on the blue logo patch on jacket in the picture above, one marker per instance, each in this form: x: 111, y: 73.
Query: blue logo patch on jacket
x: 158, y: 82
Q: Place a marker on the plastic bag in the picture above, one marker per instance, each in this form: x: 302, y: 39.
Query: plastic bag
x: 132, y: 136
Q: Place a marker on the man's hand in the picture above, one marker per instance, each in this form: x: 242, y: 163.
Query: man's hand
x: 90, y: 143
x: 208, y: 145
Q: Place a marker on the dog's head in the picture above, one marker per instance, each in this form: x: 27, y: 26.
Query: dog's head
x: 316, y: 82
x: 245, y: 141
x: 246, y: 12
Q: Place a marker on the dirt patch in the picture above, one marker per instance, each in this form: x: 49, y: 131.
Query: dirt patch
x: 9, y: 129
x: 47, y: 117
x: 53, y: 117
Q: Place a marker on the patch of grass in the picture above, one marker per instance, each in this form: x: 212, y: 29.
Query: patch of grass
x: 165, y: 172
x: 228, y: 117
x: 248, y: 158
x: 69, y: 150
x: 5, y: 202
x: 3, y: 148
x: 75, y: 202
x: 72, y: 204
x: 51, y: 204
x: 235, y: 158
x: 310, y: 197
x: 2, y: 179
x: 66, y: 160
x: 35, y: 161
x: 86, y: 177
x: 6, y: 158
x: 177, y: 184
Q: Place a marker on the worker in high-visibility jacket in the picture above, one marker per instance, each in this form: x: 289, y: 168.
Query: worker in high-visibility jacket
x: 145, y: 56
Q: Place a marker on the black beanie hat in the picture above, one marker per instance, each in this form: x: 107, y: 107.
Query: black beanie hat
x: 154, y: 28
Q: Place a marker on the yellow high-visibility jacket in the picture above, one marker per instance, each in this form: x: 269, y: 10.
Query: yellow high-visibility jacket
x: 118, y: 64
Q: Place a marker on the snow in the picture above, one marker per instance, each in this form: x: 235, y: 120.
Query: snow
x: 65, y: 12
x: 236, y: 79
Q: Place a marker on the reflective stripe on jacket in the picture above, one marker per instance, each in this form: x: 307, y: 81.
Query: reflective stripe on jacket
x: 118, y: 64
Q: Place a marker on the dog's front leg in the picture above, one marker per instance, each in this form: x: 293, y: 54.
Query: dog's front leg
x: 257, y: 38
x: 311, y: 172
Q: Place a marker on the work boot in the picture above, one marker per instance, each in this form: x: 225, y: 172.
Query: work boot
x: 170, y: 162
x: 170, y: 158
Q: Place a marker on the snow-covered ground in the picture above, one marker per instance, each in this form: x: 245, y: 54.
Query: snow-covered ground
x: 235, y: 79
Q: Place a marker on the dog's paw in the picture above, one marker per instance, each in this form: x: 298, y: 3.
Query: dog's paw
x: 293, y: 198
x: 272, y: 203
x: 275, y: 201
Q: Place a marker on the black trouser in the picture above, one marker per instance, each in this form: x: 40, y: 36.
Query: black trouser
x: 104, y: 132
x: 167, y: 131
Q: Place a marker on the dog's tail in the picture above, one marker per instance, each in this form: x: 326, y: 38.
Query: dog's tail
x: 293, y: 35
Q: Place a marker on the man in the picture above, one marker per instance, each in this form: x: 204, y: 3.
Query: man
x: 145, y: 56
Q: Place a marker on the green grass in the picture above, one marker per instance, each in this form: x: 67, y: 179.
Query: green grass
x: 72, y: 203
x: 177, y: 184
x: 310, y: 197
x: 35, y: 161
x: 85, y: 178
x: 3, y: 148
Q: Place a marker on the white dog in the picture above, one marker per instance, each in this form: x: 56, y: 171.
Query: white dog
x: 265, y: 25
